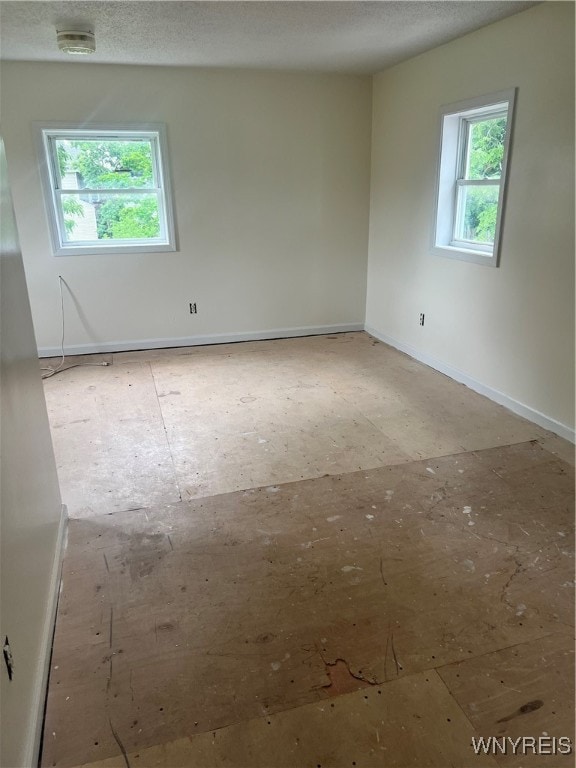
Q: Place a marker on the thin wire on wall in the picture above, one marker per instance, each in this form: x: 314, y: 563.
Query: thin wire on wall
x: 49, y: 370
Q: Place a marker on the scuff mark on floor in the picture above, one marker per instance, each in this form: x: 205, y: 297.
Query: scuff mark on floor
x: 120, y: 745
x: 504, y: 597
x: 343, y: 679
x: 382, y: 574
x: 530, y: 706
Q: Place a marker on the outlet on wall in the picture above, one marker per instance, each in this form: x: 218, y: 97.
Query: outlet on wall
x: 193, y: 309
x: 421, y: 318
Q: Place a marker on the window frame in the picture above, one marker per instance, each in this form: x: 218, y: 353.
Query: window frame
x: 455, y: 120
x: 47, y: 135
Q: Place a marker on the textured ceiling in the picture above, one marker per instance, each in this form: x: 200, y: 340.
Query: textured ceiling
x: 361, y: 37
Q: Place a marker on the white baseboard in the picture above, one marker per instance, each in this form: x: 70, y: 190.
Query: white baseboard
x: 195, y: 341
x: 37, y: 720
x: 520, y: 409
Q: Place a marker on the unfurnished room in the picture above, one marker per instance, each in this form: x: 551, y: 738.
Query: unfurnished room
x: 287, y: 384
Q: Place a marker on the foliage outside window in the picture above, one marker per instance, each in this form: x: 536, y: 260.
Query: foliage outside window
x: 107, y: 190
x: 475, y: 137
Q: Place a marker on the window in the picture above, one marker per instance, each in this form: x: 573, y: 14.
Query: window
x: 107, y: 190
x: 474, y: 144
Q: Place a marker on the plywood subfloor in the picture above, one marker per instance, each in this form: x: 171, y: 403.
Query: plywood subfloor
x: 109, y: 439
x: 412, y: 721
x: 180, y: 620
x: 523, y: 690
x: 161, y: 425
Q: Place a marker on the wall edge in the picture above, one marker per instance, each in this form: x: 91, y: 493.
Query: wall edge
x: 34, y: 741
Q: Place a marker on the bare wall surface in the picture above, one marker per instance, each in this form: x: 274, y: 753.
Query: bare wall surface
x: 512, y: 328
x: 271, y: 187
x: 30, y: 506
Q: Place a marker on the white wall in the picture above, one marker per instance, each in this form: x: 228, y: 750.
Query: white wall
x: 511, y: 329
x: 30, y: 508
x: 271, y: 187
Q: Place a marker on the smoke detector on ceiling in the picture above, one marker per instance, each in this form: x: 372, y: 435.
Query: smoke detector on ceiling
x: 76, y: 42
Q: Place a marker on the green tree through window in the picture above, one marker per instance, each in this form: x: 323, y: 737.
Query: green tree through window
x: 478, y: 204
x: 111, y: 165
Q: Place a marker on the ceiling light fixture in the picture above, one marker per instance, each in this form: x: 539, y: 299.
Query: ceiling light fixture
x: 76, y: 42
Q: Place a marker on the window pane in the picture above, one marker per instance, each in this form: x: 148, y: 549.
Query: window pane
x: 485, y: 148
x: 477, y: 213
x: 105, y: 163
x: 110, y: 217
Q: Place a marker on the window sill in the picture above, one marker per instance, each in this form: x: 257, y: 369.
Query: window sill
x: 103, y: 250
x: 488, y: 258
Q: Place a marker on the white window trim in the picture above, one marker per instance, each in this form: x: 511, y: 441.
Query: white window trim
x: 451, y: 120
x: 45, y: 132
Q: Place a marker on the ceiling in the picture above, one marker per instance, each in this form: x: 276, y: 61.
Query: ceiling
x: 354, y: 37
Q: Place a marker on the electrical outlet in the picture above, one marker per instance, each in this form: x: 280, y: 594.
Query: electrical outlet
x: 421, y: 318
x: 193, y: 309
